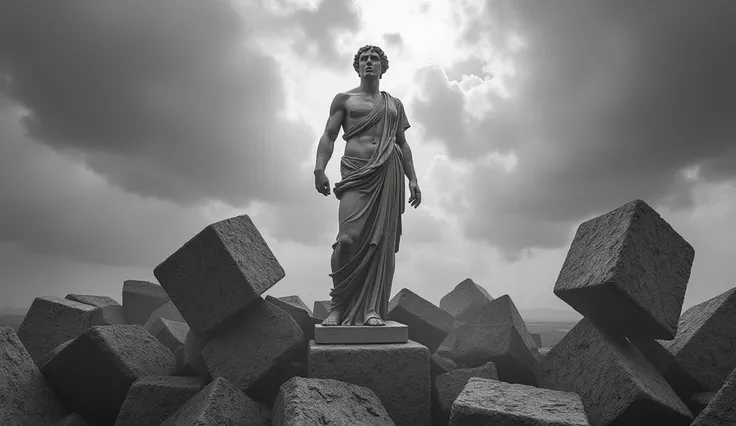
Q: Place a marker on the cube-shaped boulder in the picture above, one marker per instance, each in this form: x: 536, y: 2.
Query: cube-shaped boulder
x: 428, y: 324
x: 490, y: 402
x: 166, y: 311
x: 172, y: 334
x: 219, y: 272
x: 93, y: 373
x: 298, y: 311
x: 448, y: 386
x: 707, y: 331
x: 628, y: 270
x: 141, y: 299
x: 109, y: 315
x: 614, y: 380
x: 465, y: 295
x: 51, y: 321
x: 500, y: 311
x: 313, y: 401
x: 321, y: 309
x: 152, y: 399
x: 92, y: 300
x: 25, y: 396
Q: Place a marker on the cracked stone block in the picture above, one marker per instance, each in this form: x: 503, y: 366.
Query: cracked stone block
x: 51, y: 321
x: 627, y: 271
x: 313, y: 401
x: 428, y: 324
x: 491, y: 402
x: 705, y: 345
x: 25, y: 396
x: 464, y: 296
x: 141, y: 299
x: 219, y: 272
x: 614, y: 380
x: 448, y: 386
x: 152, y: 399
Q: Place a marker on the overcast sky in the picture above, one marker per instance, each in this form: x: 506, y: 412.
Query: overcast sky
x: 126, y: 127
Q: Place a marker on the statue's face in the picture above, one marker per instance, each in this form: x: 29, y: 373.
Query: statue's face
x: 369, y: 64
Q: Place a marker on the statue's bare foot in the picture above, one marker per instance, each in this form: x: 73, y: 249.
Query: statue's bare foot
x: 333, y: 318
x: 375, y: 321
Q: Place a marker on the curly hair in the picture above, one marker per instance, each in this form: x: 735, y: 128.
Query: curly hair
x: 384, y: 59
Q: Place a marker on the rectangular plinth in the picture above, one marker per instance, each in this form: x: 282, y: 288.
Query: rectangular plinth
x: 392, y: 332
x: 397, y: 372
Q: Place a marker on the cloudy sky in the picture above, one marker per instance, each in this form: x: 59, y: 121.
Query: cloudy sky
x: 128, y: 126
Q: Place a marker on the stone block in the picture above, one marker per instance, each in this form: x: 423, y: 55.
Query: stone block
x: 296, y: 301
x: 537, y: 339
x: 392, y: 332
x: 172, y: 334
x: 464, y: 296
x: 96, y: 301
x: 294, y: 306
x: 428, y: 324
x: 51, y: 321
x: 220, y: 403
x: 254, y: 349
x: 219, y: 272
x: 193, y: 360
x: 166, y: 311
x: 448, y: 386
x: 25, y: 396
x: 109, y: 315
x: 721, y: 411
x: 707, y: 331
x: 667, y: 365
x: 490, y: 402
x: 141, y: 299
x: 72, y: 419
x: 321, y: 309
x: 698, y: 401
x: 93, y: 373
x: 614, y: 380
x: 439, y: 365
x: 627, y: 270
x: 325, y: 401
x: 398, y: 373
x: 152, y: 399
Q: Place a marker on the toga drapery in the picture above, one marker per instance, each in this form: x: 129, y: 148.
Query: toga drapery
x: 373, y: 207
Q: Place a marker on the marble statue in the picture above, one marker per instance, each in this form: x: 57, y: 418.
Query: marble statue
x: 371, y: 192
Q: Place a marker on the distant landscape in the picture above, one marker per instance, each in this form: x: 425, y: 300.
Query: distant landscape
x: 551, y: 324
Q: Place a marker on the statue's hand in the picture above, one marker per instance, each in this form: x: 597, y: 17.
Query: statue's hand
x: 416, y: 195
x: 322, y: 183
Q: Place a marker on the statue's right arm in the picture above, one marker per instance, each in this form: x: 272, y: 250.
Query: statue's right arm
x: 327, y: 141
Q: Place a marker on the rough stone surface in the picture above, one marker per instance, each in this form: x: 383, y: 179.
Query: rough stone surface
x: 94, y: 372
x: 140, y: 299
x: 439, y: 365
x: 447, y: 387
x: 501, y: 311
x: 220, y: 403
x: 25, y: 396
x: 172, y: 334
x: 193, y: 360
x: 707, y: 331
x: 490, y: 402
x: 109, y: 315
x: 615, y: 381
x: 391, y: 332
x: 397, y: 373
x: 219, y: 272
x: 321, y: 309
x: 96, y: 301
x: 627, y: 270
x: 152, y: 399
x: 445, y: 348
x: 51, y: 321
x: 51, y: 354
x: 294, y: 306
x: 698, y: 401
x: 327, y: 402
x: 73, y: 419
x: 465, y: 295
x: 721, y: 411
x: 428, y: 324
x: 665, y: 362
x: 254, y: 349
x: 166, y: 311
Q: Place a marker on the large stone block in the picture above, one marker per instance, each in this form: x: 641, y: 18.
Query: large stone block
x: 428, y: 324
x: 51, y: 321
x: 397, y: 373
x: 392, y: 332
x: 448, y: 386
x: 500, y: 311
x: 464, y: 296
x: 254, y: 349
x: 25, y: 396
x: 321, y: 309
x: 721, y: 409
x: 327, y: 402
x: 141, y: 299
x: 707, y: 331
x: 294, y: 306
x: 166, y: 311
x: 218, y: 272
x: 96, y: 301
x: 172, y: 334
x: 94, y: 372
x: 152, y: 399
x: 616, y: 383
x: 220, y: 403
x: 109, y: 315
x: 490, y: 402
x: 665, y: 362
x: 627, y: 270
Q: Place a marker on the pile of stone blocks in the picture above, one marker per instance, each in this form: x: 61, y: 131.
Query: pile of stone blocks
x: 205, y: 346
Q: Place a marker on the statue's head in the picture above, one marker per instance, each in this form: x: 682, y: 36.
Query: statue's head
x: 373, y: 57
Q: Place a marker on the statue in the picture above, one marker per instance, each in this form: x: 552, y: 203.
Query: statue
x: 371, y: 192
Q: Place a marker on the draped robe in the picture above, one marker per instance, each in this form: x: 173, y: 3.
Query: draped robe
x: 371, y: 195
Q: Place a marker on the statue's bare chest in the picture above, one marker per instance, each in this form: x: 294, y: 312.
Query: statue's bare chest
x: 359, y: 105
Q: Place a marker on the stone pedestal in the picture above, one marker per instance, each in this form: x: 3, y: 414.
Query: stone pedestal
x: 398, y: 373
x: 392, y: 332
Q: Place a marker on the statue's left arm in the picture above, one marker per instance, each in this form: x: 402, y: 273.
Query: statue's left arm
x: 408, y: 161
